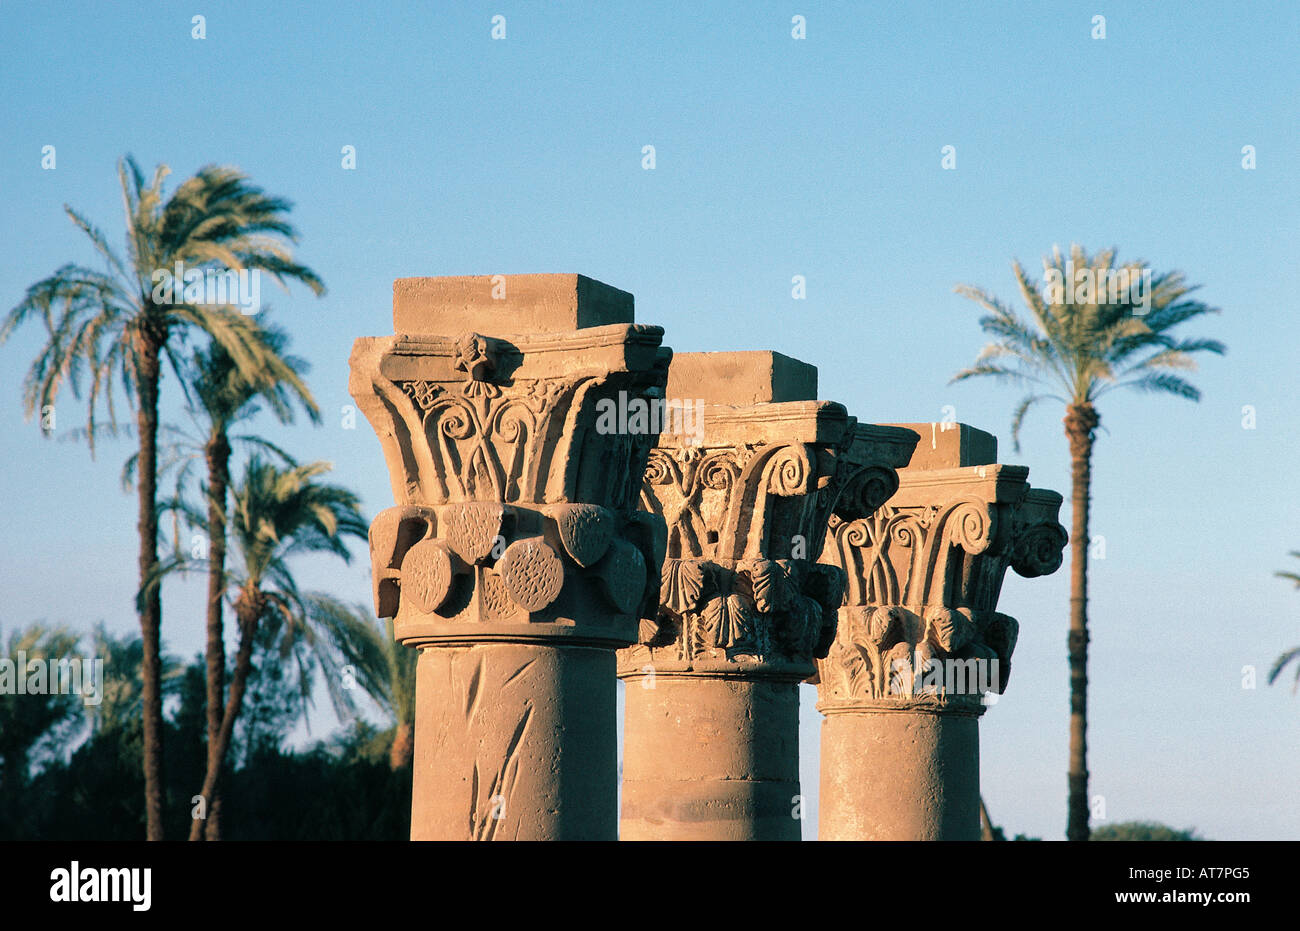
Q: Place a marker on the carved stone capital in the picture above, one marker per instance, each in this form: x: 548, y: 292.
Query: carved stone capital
x: 919, y: 626
x: 516, y: 517
x: 746, y: 503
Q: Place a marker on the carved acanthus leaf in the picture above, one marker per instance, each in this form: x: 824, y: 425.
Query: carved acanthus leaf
x: 943, y: 655
x: 777, y: 610
x: 729, y: 621
x: 682, y: 585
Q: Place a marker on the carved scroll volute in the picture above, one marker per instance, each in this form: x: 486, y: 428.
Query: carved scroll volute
x: 1037, y: 544
x: 692, y: 489
x: 869, y: 475
x: 769, y: 509
x: 961, y: 533
x: 867, y: 488
x: 867, y: 479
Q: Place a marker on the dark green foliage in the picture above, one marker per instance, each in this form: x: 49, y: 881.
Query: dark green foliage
x: 338, y: 789
x: 1142, y: 830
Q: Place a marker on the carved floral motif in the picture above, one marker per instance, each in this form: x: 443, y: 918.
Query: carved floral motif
x: 479, y: 434
x: 744, y: 527
x: 764, y: 609
x: 957, y: 655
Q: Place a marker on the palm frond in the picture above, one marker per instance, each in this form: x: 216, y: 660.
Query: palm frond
x: 1018, y: 418
x: 1160, y: 382
x: 1111, y: 331
x: 1290, y: 656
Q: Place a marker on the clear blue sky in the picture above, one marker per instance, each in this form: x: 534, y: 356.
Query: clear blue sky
x: 775, y: 158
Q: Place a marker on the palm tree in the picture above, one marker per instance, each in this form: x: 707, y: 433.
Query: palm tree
x: 227, y: 395
x: 1080, y: 344
x: 115, y: 322
x: 354, y: 654
x: 1293, y: 654
x: 279, y: 512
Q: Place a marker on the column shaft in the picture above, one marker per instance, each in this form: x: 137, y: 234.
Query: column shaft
x: 515, y: 742
x: 710, y: 759
x: 899, y: 776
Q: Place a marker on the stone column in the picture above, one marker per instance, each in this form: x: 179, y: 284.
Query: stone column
x: 516, y: 560
x: 711, y: 735
x: 920, y: 641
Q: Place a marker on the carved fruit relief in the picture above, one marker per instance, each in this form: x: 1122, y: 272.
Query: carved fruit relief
x: 532, y: 572
x: 622, y: 574
x: 427, y: 575
x: 473, y: 529
x: 586, y: 531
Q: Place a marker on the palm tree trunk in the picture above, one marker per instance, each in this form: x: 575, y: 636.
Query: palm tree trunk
x: 217, y: 455
x: 151, y: 604
x: 400, y: 754
x: 248, y: 611
x: 1081, y: 420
